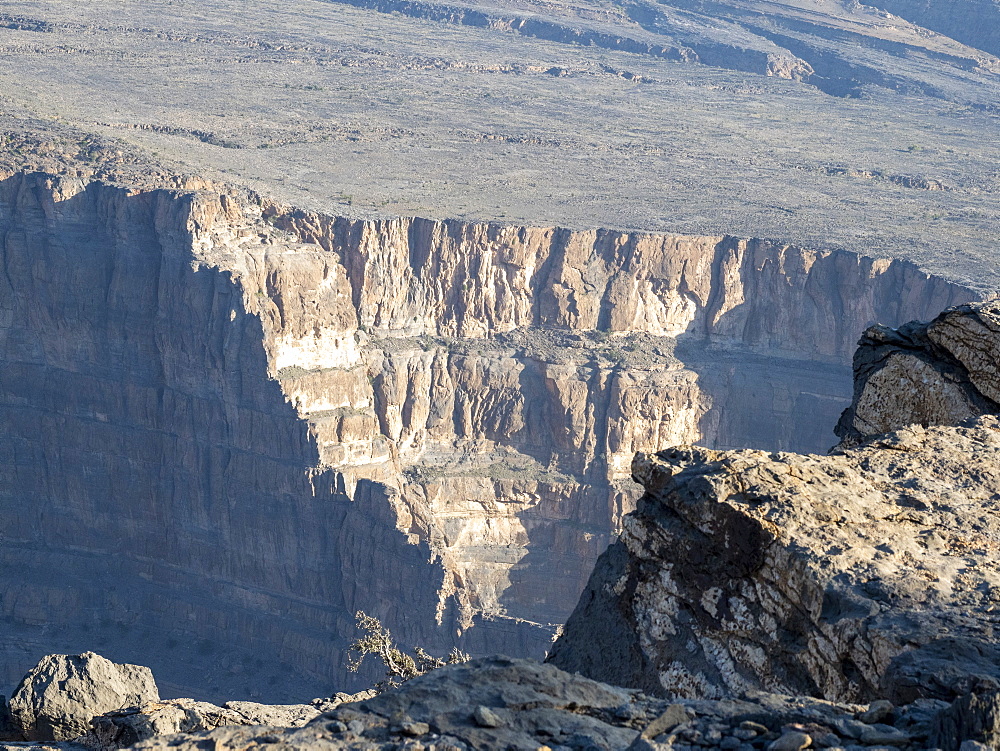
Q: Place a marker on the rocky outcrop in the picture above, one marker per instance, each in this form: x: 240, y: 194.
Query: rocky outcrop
x: 57, y: 699
x: 500, y: 703
x: 868, y: 574
x: 937, y: 373
x: 503, y: 703
x: 126, y: 727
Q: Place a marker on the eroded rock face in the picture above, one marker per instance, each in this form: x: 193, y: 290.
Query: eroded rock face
x: 57, y: 699
x: 306, y: 416
x: 937, y: 373
x: 871, y: 573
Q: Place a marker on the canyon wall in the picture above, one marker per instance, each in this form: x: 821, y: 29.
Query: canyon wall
x: 231, y: 425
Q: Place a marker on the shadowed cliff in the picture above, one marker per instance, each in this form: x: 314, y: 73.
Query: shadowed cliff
x: 232, y: 425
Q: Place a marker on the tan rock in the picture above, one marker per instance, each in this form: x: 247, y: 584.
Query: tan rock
x: 744, y: 570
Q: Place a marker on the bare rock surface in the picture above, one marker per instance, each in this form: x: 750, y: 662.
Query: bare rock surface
x: 503, y: 703
x: 868, y: 574
x: 57, y: 699
x: 857, y: 128
x: 936, y: 373
x: 171, y: 716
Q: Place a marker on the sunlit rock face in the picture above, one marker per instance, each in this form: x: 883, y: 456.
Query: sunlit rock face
x: 862, y: 575
x: 230, y: 425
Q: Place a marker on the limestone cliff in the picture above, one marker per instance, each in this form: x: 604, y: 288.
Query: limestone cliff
x: 230, y: 425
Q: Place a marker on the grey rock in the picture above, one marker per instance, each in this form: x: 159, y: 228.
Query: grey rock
x: 414, y: 729
x: 883, y: 735
x: 540, y: 705
x: 970, y: 718
x: 937, y: 373
x: 486, y: 717
x: 672, y: 716
x: 791, y: 741
x: 826, y: 740
x: 803, y: 574
x: 126, y: 727
x: 58, y: 697
x: 849, y: 728
x: 281, y: 715
x: 877, y: 712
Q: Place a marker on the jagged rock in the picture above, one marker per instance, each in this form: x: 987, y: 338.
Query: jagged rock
x: 7, y: 728
x: 937, y: 373
x: 868, y: 574
x: 58, y: 697
x: 527, y: 705
x: 972, y: 717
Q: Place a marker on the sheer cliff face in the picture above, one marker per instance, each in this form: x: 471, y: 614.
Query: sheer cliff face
x: 230, y: 426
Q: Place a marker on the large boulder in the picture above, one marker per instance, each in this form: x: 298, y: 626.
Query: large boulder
x: 57, y: 699
x: 937, y: 373
x: 869, y: 574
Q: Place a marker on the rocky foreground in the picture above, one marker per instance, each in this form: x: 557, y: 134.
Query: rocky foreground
x: 490, y: 703
x: 754, y: 601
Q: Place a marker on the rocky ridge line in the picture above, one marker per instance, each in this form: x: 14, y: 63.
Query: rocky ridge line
x: 868, y: 574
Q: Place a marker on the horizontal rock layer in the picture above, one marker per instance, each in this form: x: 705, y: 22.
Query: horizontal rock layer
x: 231, y: 425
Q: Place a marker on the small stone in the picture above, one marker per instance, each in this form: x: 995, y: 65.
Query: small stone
x: 792, y: 741
x: 729, y: 743
x: 826, y: 740
x: 745, y: 734
x: 878, y: 711
x: 754, y: 726
x: 672, y: 716
x: 336, y: 727
x: 973, y: 746
x: 356, y: 726
x: 487, y: 718
x: 414, y: 729
x: 883, y: 735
